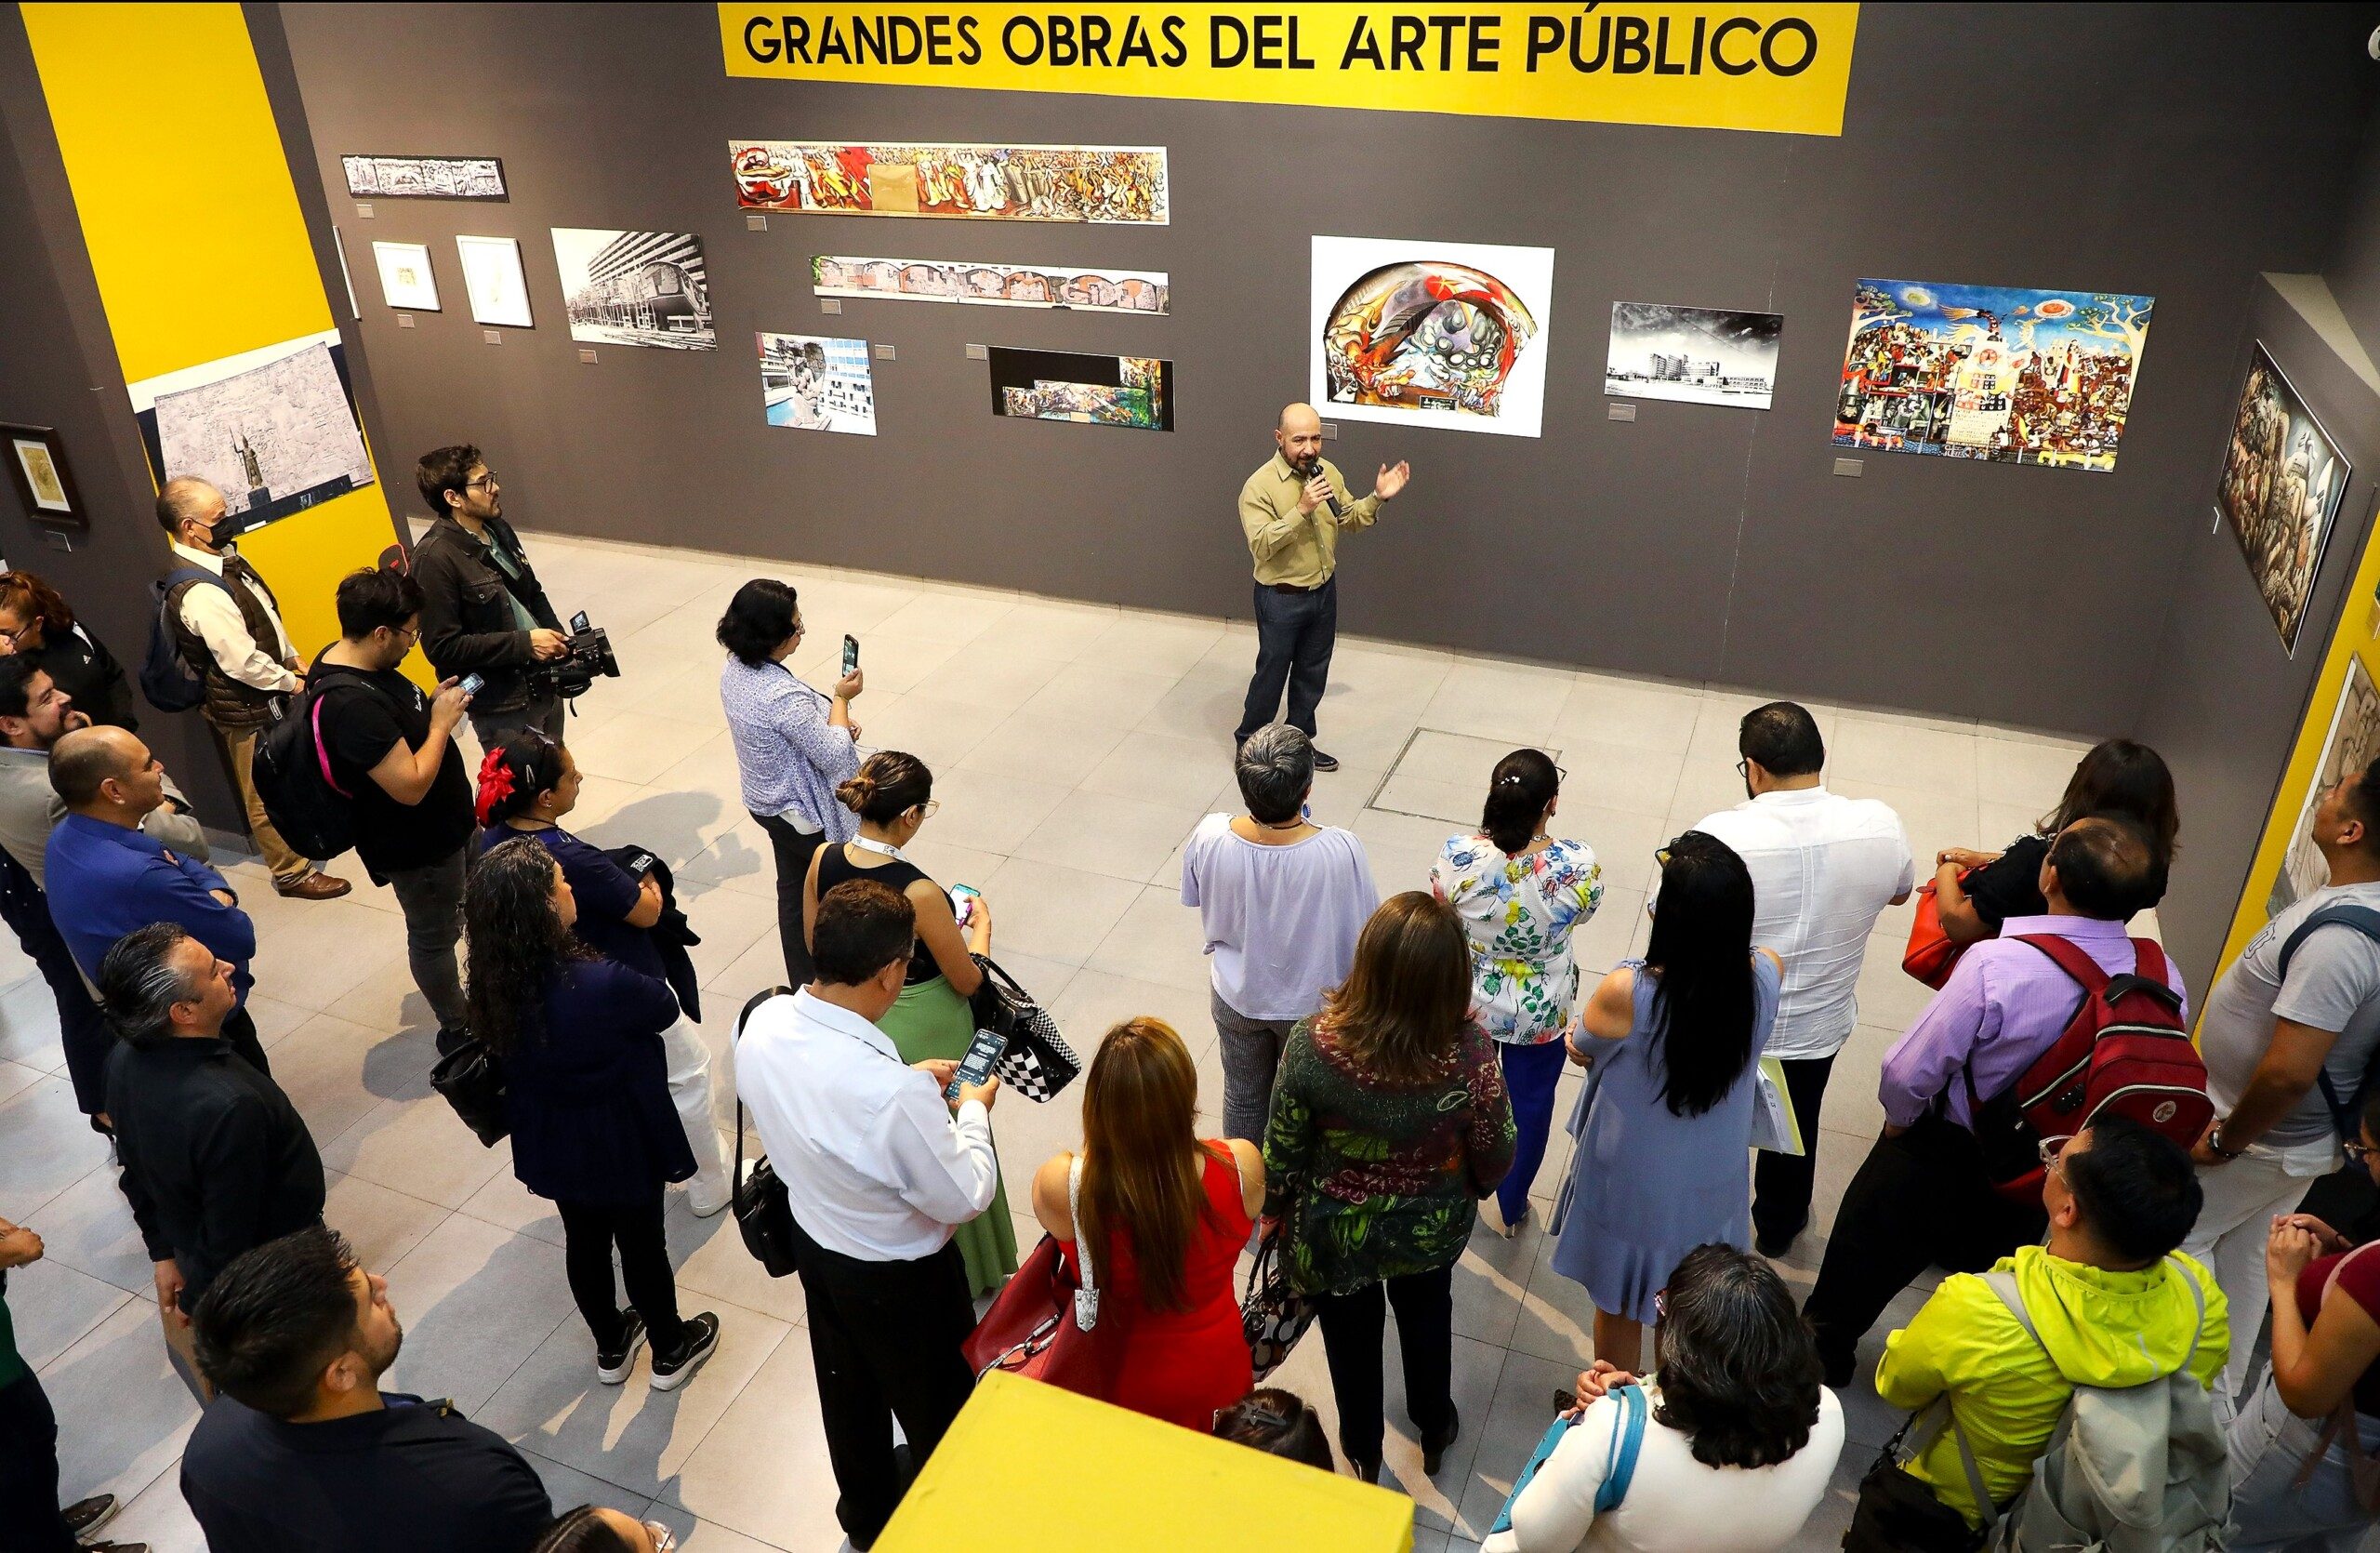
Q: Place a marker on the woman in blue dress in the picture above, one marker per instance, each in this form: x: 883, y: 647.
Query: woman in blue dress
x: 1674, y: 1040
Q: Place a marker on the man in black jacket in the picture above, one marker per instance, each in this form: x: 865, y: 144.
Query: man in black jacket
x: 483, y: 610
x: 304, y: 1450
x: 216, y: 1159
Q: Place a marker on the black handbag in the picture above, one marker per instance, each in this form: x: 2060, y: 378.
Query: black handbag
x: 1896, y: 1513
x: 1272, y: 1315
x: 471, y: 1078
x: 1035, y: 1062
x: 763, y: 1211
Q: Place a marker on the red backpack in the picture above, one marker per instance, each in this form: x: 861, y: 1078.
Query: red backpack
x: 2125, y: 1052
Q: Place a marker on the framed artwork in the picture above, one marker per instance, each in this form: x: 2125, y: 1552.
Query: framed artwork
x: 646, y: 288
x: 1452, y: 335
x: 816, y: 383
x: 1005, y: 285
x: 1698, y: 355
x: 493, y: 280
x: 2283, y: 479
x: 405, y: 278
x: 274, y: 429
x: 1123, y: 184
x: 2000, y: 373
x: 424, y: 177
x: 1135, y: 391
x: 37, y: 467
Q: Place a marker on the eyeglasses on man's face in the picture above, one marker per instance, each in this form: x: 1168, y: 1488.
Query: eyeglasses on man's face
x: 2051, y: 1151
x: 2358, y: 1151
x: 484, y: 481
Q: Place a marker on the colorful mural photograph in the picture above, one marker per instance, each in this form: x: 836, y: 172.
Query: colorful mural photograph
x: 1005, y: 286
x: 2282, y: 481
x: 1996, y: 372
x: 817, y: 383
x: 1135, y: 392
x: 1430, y: 334
x: 1116, y: 184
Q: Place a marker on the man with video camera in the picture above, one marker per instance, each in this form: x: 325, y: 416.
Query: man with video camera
x: 482, y: 611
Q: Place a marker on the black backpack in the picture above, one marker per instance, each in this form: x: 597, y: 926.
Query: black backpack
x: 2346, y: 1111
x: 292, y: 773
x: 166, y: 677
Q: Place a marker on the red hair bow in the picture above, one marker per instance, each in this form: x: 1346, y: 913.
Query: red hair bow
x: 496, y: 784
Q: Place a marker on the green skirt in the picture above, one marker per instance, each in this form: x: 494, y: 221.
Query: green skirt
x: 932, y: 1020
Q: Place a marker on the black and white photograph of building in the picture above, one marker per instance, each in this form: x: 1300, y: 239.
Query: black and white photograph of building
x: 635, y: 288
x: 1700, y: 355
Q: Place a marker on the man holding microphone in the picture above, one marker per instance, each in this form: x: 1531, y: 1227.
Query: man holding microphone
x: 1292, y: 512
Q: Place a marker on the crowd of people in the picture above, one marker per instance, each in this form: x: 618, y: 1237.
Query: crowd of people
x: 1391, y: 1071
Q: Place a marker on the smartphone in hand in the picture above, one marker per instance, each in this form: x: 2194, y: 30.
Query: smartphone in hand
x: 962, y: 901
x: 976, y: 1066
x: 851, y: 653
x: 471, y: 684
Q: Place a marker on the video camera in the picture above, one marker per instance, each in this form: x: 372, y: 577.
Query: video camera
x: 589, y: 655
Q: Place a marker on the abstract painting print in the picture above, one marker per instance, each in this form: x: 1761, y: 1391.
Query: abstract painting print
x: 1429, y: 333
x: 1994, y: 372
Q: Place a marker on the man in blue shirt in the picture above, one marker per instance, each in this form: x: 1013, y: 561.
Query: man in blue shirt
x: 109, y: 877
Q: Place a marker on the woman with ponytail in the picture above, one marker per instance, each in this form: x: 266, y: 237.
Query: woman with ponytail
x: 527, y: 784
x: 892, y: 795
x: 1165, y: 1214
x: 1521, y: 893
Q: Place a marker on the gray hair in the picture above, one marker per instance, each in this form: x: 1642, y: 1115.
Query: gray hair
x: 1275, y: 771
x: 140, y: 984
x: 184, y: 496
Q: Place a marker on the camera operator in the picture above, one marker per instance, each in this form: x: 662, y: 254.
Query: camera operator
x: 481, y: 608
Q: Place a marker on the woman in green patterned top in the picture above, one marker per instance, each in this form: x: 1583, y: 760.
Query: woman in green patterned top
x: 1389, y: 1122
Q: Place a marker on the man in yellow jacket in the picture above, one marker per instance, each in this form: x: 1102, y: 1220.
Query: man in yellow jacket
x: 2111, y: 1299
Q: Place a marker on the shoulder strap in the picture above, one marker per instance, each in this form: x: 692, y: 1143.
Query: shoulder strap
x: 179, y: 581
x: 1073, y: 1213
x: 1627, y: 1441
x: 2363, y: 919
x: 735, y: 1182
x: 2071, y: 958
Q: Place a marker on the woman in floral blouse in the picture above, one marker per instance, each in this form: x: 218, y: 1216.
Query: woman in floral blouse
x: 1521, y: 894
x: 1389, y: 1120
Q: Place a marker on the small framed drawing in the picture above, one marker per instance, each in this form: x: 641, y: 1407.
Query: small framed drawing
x: 405, y: 279
x: 492, y: 276
x: 37, y: 467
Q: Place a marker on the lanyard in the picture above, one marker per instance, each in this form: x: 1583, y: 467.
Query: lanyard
x: 884, y: 847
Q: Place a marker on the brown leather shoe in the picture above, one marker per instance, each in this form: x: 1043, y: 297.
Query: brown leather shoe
x: 313, y: 884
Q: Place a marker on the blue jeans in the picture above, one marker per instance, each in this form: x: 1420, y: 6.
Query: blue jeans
x: 1294, y: 635
x: 1531, y: 1073
x: 2268, y: 1448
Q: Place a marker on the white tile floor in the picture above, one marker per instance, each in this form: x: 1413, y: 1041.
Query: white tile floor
x: 1075, y: 747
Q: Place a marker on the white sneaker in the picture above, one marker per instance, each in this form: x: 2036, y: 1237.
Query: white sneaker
x: 708, y: 1193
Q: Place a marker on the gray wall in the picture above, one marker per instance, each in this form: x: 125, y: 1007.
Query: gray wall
x: 2170, y: 152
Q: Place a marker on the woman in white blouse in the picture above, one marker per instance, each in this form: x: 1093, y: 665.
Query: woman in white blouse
x: 1738, y: 1445
x: 1521, y: 893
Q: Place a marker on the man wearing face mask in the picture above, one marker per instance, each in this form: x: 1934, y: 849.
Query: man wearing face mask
x: 302, y: 1450
x: 1293, y: 511
x: 227, y: 626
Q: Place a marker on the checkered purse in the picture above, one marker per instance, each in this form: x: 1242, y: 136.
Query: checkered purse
x: 1037, y: 1062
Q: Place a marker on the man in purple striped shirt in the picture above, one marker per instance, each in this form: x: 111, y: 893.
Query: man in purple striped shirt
x: 1923, y: 1196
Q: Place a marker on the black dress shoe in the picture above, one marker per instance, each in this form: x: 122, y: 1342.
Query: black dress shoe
x: 1774, y: 1245
x: 1325, y: 763
x: 1434, y: 1449
x: 87, y: 1516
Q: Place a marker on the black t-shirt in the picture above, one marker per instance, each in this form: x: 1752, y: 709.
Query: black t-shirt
x: 2012, y: 885
x: 359, y: 729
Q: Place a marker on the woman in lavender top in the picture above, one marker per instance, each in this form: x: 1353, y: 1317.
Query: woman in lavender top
x: 1281, y: 901
x: 794, y: 745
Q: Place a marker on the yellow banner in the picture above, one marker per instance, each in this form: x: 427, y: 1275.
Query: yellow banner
x: 1778, y: 67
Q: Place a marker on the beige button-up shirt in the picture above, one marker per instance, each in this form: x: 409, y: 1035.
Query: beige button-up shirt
x: 1301, y: 551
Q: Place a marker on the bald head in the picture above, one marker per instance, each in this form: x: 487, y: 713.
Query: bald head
x: 106, y: 772
x: 184, y: 500
x: 1299, y: 434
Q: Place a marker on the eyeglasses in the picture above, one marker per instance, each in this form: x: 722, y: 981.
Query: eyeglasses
x: 2358, y: 1151
x: 487, y: 479
x: 1743, y: 769
x: 2050, y: 1150
x: 16, y: 638
x: 1660, y: 1304
x: 664, y: 1539
x: 930, y: 808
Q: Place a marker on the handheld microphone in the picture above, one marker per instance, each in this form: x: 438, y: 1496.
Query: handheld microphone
x: 1331, y: 502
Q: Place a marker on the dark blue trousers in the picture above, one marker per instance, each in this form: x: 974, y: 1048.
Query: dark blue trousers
x: 1294, y: 635
x: 1531, y: 1073
x: 82, y: 1029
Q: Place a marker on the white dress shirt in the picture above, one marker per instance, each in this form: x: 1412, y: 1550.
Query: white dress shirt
x: 876, y: 1165
x: 1823, y: 867
x: 214, y: 616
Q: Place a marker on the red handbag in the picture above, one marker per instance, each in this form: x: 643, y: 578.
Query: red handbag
x: 1930, y: 956
x: 1046, y: 1326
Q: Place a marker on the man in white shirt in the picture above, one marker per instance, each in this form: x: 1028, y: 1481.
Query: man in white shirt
x: 2288, y: 1035
x: 879, y: 1171
x: 1823, y: 867
x: 228, y: 626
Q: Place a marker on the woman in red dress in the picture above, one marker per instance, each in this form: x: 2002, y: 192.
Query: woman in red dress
x: 1165, y: 1214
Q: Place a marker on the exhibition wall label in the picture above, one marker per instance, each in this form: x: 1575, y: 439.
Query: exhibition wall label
x: 1777, y: 68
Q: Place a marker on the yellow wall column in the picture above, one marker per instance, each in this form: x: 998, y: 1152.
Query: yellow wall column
x: 186, y: 201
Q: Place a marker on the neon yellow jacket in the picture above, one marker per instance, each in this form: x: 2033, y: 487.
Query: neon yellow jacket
x: 2101, y: 1328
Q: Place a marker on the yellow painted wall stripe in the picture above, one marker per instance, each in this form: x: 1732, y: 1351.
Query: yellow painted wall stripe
x: 188, y: 207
